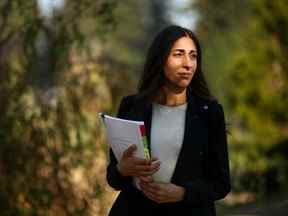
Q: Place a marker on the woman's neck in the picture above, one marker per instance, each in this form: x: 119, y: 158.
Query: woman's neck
x: 171, y: 98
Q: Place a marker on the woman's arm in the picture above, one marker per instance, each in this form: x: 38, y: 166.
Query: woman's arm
x: 113, y: 176
x: 119, y: 174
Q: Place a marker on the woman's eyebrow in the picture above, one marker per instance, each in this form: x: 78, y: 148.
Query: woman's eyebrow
x: 183, y: 50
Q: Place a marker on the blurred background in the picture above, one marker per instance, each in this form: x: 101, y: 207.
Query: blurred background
x: 64, y: 61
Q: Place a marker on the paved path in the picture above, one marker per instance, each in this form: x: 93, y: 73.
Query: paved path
x: 275, y: 208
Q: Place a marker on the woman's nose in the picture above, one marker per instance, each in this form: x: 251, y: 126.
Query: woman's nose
x: 187, y: 61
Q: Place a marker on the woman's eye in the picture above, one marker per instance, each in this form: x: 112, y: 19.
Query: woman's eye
x: 193, y: 56
x: 177, y: 54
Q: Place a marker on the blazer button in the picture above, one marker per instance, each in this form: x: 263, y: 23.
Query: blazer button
x: 201, y: 153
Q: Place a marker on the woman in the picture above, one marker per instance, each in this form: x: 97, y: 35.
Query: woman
x: 186, y: 136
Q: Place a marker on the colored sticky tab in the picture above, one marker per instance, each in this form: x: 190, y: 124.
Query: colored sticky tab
x: 143, y: 131
x: 145, y: 143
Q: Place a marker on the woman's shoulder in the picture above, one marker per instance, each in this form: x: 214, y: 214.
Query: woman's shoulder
x: 211, y: 105
x: 129, y: 99
x: 216, y: 106
x: 131, y: 104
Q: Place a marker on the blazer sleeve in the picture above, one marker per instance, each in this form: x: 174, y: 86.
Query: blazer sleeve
x: 113, y: 177
x: 215, y: 184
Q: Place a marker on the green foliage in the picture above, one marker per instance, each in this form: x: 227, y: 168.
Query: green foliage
x: 51, y: 155
x: 49, y: 152
x: 124, y: 51
x: 245, y: 44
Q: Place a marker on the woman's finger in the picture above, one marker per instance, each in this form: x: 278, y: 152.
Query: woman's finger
x: 146, y: 179
x: 129, y: 151
x: 152, y: 196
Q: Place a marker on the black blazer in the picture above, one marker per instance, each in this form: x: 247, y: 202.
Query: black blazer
x: 202, y: 166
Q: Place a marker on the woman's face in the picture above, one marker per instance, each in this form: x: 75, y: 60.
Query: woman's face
x: 181, y: 64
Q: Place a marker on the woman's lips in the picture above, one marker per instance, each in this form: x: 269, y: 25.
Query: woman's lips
x: 185, y: 75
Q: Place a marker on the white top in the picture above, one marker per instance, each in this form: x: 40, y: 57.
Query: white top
x: 167, y: 132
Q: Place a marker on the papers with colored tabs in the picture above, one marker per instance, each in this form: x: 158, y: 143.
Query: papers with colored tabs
x: 122, y: 133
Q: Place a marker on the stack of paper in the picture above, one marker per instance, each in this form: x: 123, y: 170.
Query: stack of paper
x: 122, y: 133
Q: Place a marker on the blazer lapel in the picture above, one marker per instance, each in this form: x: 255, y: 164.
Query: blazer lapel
x: 194, y: 135
x: 143, y: 112
x: 147, y: 121
x: 192, y: 146
x: 191, y: 113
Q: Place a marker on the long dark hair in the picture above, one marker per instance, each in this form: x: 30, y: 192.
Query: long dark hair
x: 153, y: 77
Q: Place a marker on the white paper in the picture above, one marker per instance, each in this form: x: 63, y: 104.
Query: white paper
x: 122, y: 133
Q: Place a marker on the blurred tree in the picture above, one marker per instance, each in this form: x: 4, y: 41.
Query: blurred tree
x: 245, y: 47
x: 58, y: 69
x: 218, y: 25
x: 156, y: 17
x: 51, y: 153
x: 261, y: 76
x: 124, y: 51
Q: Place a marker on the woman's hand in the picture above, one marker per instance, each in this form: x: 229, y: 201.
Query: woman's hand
x: 161, y: 192
x: 133, y: 166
